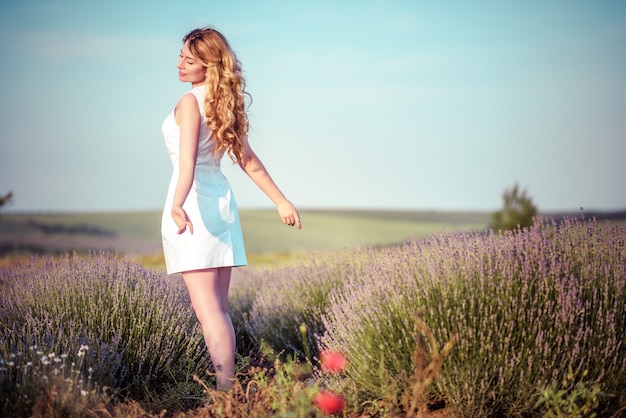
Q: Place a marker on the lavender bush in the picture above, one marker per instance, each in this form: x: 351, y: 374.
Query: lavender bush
x: 525, y: 307
x: 141, y: 332
x: 293, y: 295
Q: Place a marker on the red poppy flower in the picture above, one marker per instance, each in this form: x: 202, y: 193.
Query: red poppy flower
x: 332, y: 361
x: 329, y: 402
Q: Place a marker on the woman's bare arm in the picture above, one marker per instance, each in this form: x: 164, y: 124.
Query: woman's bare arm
x: 188, y: 119
x: 254, y: 168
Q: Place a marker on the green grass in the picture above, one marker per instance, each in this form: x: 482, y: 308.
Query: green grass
x: 138, y: 233
x: 143, y: 225
x: 331, y: 230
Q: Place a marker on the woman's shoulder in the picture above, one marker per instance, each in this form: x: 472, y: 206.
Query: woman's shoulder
x: 187, y: 104
x: 197, y: 94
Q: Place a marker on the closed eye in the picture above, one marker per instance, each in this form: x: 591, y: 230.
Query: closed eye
x: 189, y: 61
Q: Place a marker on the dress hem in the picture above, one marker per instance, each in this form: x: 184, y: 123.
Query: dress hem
x: 178, y: 271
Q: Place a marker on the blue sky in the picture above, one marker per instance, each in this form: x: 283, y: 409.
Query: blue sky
x: 356, y: 104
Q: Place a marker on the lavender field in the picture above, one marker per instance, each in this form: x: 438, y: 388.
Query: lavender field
x: 537, y: 318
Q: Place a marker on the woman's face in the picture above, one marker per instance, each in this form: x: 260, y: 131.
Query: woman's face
x: 189, y: 69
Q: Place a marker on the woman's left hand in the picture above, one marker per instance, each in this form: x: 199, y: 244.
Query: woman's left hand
x: 289, y: 214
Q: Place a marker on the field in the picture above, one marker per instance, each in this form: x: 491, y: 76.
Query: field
x: 435, y: 315
x: 266, y: 238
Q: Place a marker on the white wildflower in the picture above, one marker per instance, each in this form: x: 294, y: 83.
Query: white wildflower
x: 84, y: 393
x: 82, y: 349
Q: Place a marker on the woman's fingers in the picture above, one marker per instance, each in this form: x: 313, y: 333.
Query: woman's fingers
x: 293, y: 220
x: 289, y: 214
x: 185, y: 225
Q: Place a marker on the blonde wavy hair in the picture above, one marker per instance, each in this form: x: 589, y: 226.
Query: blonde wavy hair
x: 224, y: 102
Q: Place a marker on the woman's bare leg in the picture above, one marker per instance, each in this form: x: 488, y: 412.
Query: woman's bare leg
x: 208, y: 290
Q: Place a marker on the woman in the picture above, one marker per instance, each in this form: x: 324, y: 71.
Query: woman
x: 200, y: 227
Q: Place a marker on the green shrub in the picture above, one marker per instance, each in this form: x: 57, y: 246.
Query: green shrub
x: 572, y: 399
x: 518, y: 211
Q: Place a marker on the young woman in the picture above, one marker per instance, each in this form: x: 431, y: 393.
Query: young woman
x: 200, y: 226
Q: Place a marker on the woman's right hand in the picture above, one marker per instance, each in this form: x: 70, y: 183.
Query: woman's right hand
x: 181, y: 219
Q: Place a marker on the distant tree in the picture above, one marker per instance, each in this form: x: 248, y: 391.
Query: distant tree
x: 5, y: 199
x: 518, y: 211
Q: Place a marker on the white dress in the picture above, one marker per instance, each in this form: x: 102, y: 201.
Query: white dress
x: 217, y: 240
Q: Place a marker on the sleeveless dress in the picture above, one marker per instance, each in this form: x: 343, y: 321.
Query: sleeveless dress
x: 217, y: 240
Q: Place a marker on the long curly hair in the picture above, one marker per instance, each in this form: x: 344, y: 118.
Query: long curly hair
x: 224, y: 102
